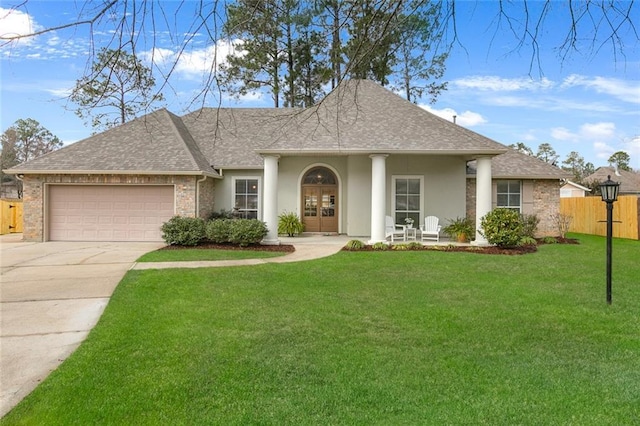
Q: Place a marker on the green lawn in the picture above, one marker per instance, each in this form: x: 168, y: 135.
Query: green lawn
x: 389, y: 338
x: 199, y: 254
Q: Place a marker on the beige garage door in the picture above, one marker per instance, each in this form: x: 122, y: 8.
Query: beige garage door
x: 108, y: 212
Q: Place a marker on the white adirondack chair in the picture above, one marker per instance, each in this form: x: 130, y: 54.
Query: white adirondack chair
x: 391, y: 229
x: 430, y: 230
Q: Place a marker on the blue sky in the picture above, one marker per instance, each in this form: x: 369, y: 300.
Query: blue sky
x: 588, y: 102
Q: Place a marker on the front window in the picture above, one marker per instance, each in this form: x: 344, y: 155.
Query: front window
x: 246, y: 198
x: 509, y: 194
x: 407, y: 198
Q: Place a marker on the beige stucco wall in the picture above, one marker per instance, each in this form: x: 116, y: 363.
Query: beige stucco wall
x: 444, y: 186
x: 539, y: 196
x: 35, y: 195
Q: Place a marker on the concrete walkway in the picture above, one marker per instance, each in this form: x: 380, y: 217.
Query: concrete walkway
x: 307, y: 247
x: 52, y: 294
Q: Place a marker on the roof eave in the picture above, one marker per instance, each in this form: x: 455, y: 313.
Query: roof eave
x: 459, y: 152
x: 113, y: 172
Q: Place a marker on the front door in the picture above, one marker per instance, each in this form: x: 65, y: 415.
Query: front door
x: 320, y: 201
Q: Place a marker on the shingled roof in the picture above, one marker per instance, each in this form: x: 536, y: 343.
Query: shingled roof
x: 516, y: 165
x: 158, y: 143
x: 629, y: 181
x: 358, y: 117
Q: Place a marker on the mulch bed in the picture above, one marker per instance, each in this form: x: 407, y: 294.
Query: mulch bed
x: 283, y: 248
x: 288, y: 248
x: 530, y: 248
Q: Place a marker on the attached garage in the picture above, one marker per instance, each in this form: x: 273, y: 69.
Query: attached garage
x: 108, y: 212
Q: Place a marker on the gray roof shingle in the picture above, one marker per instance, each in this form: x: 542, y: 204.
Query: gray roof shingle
x: 516, y: 165
x: 359, y: 116
x: 629, y: 181
x: 156, y: 143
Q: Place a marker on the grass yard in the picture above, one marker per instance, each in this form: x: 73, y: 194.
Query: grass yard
x: 363, y: 338
x: 199, y: 254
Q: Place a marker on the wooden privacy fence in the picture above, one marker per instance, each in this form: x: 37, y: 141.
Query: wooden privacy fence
x: 11, y: 216
x: 590, y: 215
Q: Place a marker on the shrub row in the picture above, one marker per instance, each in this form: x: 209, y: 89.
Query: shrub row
x: 190, y: 231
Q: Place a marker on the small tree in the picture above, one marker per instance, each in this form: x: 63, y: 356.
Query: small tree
x: 25, y: 140
x: 118, y: 88
x: 562, y: 222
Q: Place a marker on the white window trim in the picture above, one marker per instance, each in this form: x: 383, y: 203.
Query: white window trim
x: 233, y: 191
x: 519, y: 208
x: 393, y: 194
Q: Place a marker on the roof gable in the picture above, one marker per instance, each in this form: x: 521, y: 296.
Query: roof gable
x: 155, y: 143
x: 362, y: 116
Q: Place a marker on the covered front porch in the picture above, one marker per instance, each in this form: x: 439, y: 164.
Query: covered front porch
x: 367, y: 191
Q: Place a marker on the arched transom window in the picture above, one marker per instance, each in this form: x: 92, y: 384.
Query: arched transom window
x: 319, y: 176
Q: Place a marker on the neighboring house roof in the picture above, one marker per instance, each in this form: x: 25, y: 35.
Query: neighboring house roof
x: 158, y: 143
x: 514, y: 164
x: 576, y: 186
x: 359, y: 116
x: 629, y: 181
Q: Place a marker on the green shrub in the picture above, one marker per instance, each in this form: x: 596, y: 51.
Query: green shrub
x: 529, y: 225
x: 290, y: 224
x: 219, y: 230
x: 247, y: 231
x: 414, y: 245
x: 183, y: 231
x: 527, y: 241
x: 400, y: 247
x: 502, y: 227
x: 223, y: 214
x: 382, y: 246
x: 550, y: 240
x: 355, y: 245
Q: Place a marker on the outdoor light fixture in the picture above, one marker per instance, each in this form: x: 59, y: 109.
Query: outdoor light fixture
x: 609, y: 192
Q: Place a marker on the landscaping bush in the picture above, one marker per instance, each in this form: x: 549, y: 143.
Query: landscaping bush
x: 219, y: 230
x: 529, y: 225
x: 222, y: 214
x: 247, y: 231
x: 183, y: 231
x: 380, y: 246
x: 502, y: 227
x: 290, y: 224
x: 355, y: 245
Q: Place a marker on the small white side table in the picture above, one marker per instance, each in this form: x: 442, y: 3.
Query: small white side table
x: 410, y: 234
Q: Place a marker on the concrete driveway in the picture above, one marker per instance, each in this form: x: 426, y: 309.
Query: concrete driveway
x: 51, y: 295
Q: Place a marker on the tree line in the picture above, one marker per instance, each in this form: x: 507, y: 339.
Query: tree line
x: 574, y: 163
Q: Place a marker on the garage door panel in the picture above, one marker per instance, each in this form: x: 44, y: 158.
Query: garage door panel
x: 109, y: 212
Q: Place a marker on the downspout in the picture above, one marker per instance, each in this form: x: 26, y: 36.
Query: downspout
x: 198, y: 194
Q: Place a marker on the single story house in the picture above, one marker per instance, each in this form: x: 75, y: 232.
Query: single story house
x: 360, y: 154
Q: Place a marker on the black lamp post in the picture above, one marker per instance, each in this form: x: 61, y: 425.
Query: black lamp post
x: 609, y: 192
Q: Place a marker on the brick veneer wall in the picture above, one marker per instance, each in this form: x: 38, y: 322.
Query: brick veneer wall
x: 33, y: 195
x: 206, y: 195
x: 546, y: 203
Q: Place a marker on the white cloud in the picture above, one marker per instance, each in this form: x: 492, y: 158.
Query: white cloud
x: 563, y: 134
x: 603, y: 150
x: 598, y: 130
x: 499, y: 84
x: 466, y: 119
x: 627, y: 91
x: 14, y: 22
x: 194, y: 63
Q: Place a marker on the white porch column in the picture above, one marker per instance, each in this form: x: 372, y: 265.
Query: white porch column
x: 378, y: 196
x: 270, y: 203
x: 483, y: 195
